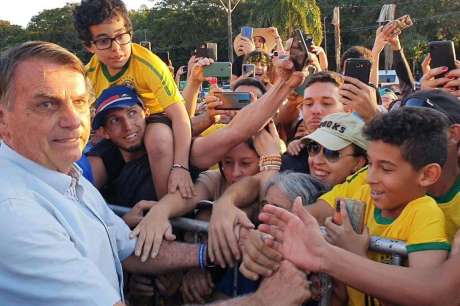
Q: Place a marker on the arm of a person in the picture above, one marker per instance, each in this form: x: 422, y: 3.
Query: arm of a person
x: 190, y: 94
x: 181, y: 131
x: 403, y: 71
x: 98, y: 170
x: 206, y: 151
x: 43, y: 264
x: 171, y: 257
x: 155, y: 225
x: 200, y: 123
x: 405, y: 286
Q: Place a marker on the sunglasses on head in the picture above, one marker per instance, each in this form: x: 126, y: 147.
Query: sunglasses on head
x: 314, y: 148
x: 426, y: 102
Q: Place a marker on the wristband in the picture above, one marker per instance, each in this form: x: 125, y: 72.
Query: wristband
x: 179, y: 166
x: 202, y: 250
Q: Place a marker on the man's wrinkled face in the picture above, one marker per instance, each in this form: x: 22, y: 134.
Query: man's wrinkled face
x: 49, y: 119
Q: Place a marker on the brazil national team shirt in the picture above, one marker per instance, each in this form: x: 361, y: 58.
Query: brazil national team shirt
x: 145, y: 72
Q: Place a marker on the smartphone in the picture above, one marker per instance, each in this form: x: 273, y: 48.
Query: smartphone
x: 308, y: 41
x: 298, y: 53
x: 249, y: 70
x: 403, y: 22
x: 442, y: 54
x: 337, y: 218
x: 182, y: 85
x: 232, y: 100
x: 247, y: 32
x: 358, y: 68
x: 208, y: 50
x: 356, y: 211
x: 164, y: 56
x: 218, y: 69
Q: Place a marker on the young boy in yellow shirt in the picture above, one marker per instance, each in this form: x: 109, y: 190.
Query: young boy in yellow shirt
x: 406, y: 151
x: 106, y: 31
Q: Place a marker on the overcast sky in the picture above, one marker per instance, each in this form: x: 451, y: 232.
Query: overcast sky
x: 21, y: 11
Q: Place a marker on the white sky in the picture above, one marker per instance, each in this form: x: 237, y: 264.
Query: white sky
x: 21, y: 11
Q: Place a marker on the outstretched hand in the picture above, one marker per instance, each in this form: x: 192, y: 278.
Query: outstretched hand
x: 295, y: 235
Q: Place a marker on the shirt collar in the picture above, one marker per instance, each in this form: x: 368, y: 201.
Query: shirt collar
x: 57, y: 180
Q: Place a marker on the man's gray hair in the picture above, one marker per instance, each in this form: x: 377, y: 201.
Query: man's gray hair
x: 294, y: 184
x: 11, y: 58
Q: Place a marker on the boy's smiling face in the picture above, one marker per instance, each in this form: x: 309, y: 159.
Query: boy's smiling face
x: 393, y: 180
x: 117, y: 55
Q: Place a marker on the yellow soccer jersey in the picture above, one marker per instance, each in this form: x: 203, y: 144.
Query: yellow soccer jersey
x: 450, y: 205
x: 144, y: 71
x: 421, y: 225
x: 347, y: 188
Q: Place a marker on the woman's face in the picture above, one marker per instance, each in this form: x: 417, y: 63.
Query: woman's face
x: 259, y: 42
x: 276, y: 197
x: 261, y: 71
x: 333, y: 172
x: 240, y: 162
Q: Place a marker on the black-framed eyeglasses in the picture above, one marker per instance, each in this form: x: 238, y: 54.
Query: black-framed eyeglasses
x: 426, y: 102
x: 314, y: 148
x: 106, y: 42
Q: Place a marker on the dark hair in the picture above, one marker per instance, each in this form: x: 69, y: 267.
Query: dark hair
x: 251, y: 82
x: 419, y: 132
x: 323, y: 77
x: 355, y: 52
x: 250, y: 143
x: 257, y: 56
x: 94, y: 12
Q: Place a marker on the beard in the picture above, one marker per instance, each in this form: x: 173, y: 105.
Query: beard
x: 134, y: 149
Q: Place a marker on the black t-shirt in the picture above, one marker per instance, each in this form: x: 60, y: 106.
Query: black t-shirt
x: 127, y: 182
x: 298, y: 163
x: 237, y: 66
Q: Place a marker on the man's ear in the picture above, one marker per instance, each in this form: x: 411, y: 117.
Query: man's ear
x: 102, y: 132
x: 361, y: 163
x: 429, y: 174
x: 91, y: 48
x: 454, y: 134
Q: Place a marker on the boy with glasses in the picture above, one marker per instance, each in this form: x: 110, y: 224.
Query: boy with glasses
x: 106, y: 31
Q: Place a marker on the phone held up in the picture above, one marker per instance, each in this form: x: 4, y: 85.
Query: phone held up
x: 247, y: 32
x: 442, y: 55
x: 218, y: 69
x: 249, y: 70
x: 232, y: 100
x: 358, y: 68
x: 298, y: 53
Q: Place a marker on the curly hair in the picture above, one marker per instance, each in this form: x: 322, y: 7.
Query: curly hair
x: 420, y: 133
x: 94, y: 12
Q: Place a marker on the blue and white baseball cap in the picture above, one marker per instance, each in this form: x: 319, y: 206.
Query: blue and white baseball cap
x: 114, y: 97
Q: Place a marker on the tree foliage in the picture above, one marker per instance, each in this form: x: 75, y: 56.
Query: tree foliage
x: 180, y: 25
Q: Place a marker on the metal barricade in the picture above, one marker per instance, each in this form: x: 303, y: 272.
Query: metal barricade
x: 396, y: 248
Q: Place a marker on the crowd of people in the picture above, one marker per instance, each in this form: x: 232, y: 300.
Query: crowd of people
x: 274, y: 180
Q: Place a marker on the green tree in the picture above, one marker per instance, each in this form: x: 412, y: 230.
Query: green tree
x: 287, y: 15
x: 10, y: 35
x: 56, y: 25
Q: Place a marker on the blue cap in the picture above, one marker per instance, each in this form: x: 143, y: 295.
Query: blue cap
x: 112, y: 98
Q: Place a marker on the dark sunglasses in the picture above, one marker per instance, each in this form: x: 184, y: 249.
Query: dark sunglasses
x: 314, y: 148
x: 425, y: 102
